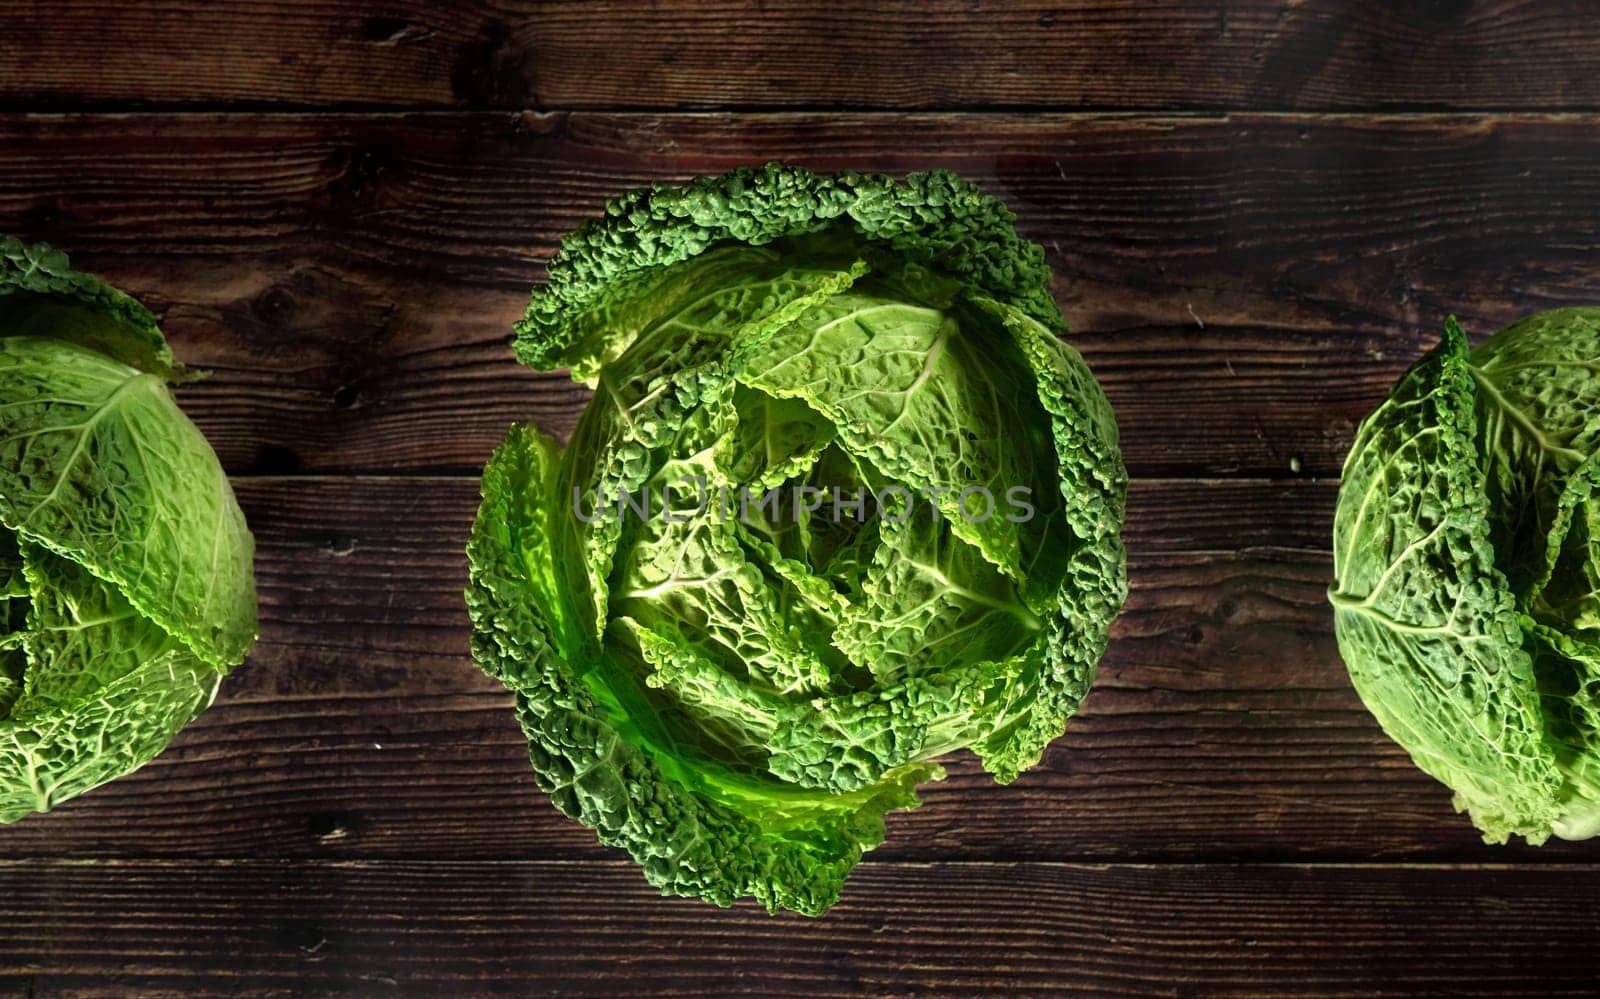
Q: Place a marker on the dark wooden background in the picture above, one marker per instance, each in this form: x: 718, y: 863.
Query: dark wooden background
x: 1258, y: 215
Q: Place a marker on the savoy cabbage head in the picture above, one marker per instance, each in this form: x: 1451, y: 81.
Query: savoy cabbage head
x: 886, y: 526
x: 1467, y: 564
x: 126, y: 586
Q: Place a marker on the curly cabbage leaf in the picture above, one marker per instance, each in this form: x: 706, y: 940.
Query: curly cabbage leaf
x: 736, y: 688
x: 126, y: 584
x: 1467, y: 570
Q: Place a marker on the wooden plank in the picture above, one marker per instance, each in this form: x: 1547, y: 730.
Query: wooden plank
x: 263, y: 929
x: 726, y: 53
x: 1246, y: 287
x: 1222, y: 725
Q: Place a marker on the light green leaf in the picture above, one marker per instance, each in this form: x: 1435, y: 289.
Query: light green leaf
x: 1426, y: 620
x: 126, y: 585
x: 99, y: 465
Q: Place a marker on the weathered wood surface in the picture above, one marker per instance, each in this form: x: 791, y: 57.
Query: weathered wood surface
x: 519, y: 928
x: 1246, y: 287
x: 1222, y: 726
x: 1322, y: 54
x: 356, y: 815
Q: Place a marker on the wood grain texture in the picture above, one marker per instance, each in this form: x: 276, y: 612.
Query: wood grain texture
x: 357, y: 816
x: 1321, y: 54
x: 351, y: 280
x: 946, y: 929
x: 1222, y: 726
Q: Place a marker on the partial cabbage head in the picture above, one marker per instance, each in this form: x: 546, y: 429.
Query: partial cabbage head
x: 842, y: 503
x: 1467, y: 558
x: 126, y: 590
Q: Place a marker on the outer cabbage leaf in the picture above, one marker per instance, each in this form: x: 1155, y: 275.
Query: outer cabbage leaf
x: 737, y: 692
x: 1465, y: 572
x: 126, y: 585
x: 98, y: 464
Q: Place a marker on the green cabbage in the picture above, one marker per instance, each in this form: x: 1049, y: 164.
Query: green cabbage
x: 126, y: 589
x: 1467, y: 565
x: 737, y: 694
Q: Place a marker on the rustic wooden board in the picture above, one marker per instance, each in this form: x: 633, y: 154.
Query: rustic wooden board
x: 1222, y: 726
x: 351, y: 280
x: 945, y: 54
x: 357, y: 816
x: 257, y: 929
